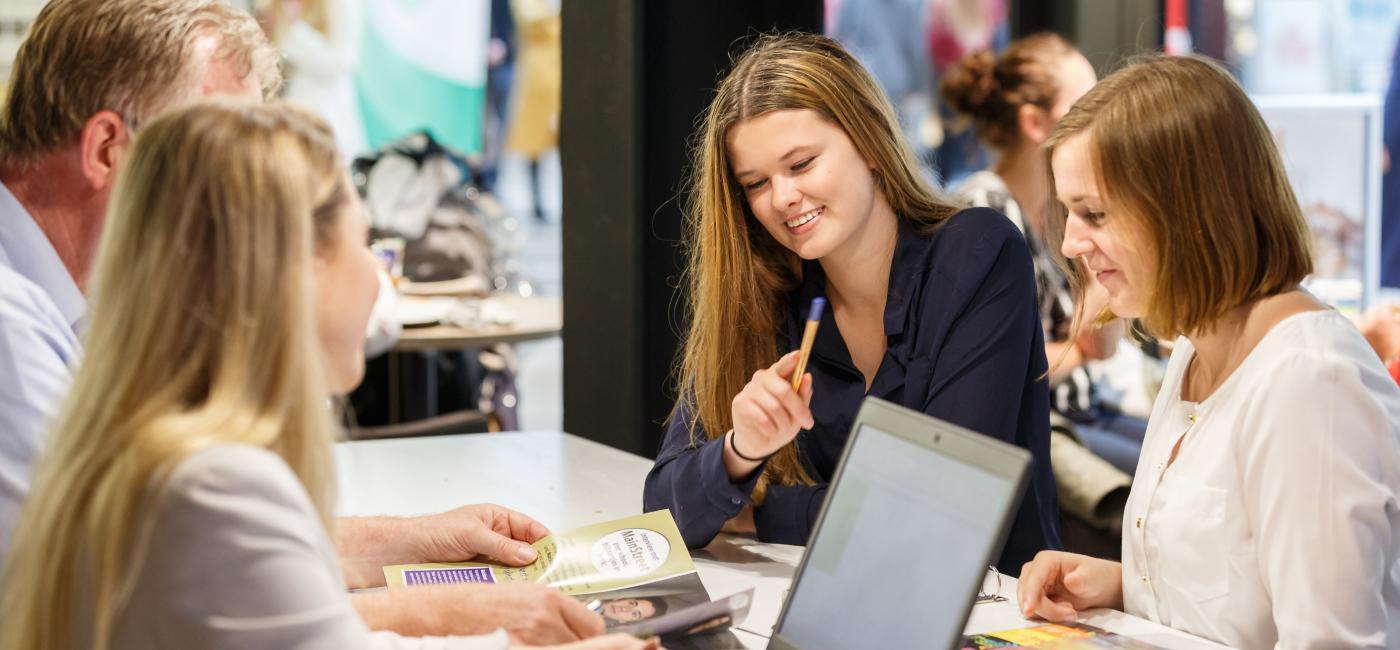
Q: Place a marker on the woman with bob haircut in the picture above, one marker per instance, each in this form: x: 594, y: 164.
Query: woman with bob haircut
x: 1265, y: 508
x: 802, y: 186
x: 184, y: 498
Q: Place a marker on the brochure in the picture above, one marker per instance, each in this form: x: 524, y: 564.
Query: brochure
x: 1054, y: 636
x: 673, y: 608
x: 647, y: 602
x: 603, y: 557
x: 635, y: 572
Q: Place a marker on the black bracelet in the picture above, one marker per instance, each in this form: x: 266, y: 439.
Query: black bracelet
x: 736, y: 451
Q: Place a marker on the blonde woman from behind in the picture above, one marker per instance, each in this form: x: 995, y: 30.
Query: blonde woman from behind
x: 184, y: 497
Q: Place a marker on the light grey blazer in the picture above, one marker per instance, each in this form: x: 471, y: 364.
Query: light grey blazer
x: 239, y: 559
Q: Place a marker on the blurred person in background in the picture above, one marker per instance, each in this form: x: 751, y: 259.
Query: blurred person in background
x: 500, y: 72
x: 533, y: 128
x: 320, y: 45
x: 1013, y: 101
x: 959, y: 27
x: 1381, y: 327
x: 890, y: 37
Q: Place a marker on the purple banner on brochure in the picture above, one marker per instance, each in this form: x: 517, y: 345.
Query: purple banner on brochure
x: 447, y: 576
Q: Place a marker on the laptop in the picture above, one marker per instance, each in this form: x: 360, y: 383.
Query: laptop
x: 917, y: 510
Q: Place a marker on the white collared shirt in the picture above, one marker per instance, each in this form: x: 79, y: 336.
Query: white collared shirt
x: 1278, y: 524
x: 40, y: 307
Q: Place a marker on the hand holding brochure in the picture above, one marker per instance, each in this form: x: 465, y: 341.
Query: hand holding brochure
x: 602, y: 557
x: 635, y: 572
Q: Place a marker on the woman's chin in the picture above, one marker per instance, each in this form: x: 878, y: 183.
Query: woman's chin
x: 809, y: 249
x: 344, y: 379
x: 1125, y: 308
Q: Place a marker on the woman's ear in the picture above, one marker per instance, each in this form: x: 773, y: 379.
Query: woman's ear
x: 1034, y: 123
x: 103, y: 143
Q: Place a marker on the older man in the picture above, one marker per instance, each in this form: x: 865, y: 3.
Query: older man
x: 87, y: 76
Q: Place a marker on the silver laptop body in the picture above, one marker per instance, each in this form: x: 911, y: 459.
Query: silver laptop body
x: 917, y: 510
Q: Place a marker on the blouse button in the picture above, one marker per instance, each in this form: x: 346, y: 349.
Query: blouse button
x: 1139, y: 522
x: 1144, y: 578
x: 1191, y: 417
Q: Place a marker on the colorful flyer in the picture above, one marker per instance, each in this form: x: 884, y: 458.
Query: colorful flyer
x: 1054, y: 636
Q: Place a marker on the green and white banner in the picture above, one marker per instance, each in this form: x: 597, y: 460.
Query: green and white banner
x: 423, y: 66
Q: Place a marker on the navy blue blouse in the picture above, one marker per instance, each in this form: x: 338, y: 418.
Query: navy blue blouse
x: 964, y: 344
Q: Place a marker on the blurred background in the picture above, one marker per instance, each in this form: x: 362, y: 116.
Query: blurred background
x: 521, y: 160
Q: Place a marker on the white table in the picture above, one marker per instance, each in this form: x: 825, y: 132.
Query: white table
x: 566, y: 482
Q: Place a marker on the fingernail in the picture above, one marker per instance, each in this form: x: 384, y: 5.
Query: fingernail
x: 524, y: 553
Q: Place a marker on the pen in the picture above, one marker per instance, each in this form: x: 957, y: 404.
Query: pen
x: 814, y: 318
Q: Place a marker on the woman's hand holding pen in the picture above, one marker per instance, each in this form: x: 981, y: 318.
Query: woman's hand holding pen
x: 767, y: 415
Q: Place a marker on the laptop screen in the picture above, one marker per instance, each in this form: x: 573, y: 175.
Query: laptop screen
x: 901, y: 547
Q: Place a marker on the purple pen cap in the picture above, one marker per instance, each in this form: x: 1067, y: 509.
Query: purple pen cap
x: 816, y: 313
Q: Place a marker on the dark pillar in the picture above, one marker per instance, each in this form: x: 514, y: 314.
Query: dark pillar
x: 1032, y: 16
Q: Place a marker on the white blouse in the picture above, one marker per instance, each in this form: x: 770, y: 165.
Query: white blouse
x: 239, y: 559
x: 1278, y: 524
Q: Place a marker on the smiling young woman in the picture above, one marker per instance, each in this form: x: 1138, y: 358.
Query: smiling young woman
x: 1265, y: 511
x: 802, y: 186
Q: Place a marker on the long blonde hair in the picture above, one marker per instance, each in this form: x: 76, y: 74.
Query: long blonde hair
x: 202, y: 331
x: 737, y: 274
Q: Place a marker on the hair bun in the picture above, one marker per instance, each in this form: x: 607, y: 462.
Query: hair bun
x: 969, y: 83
